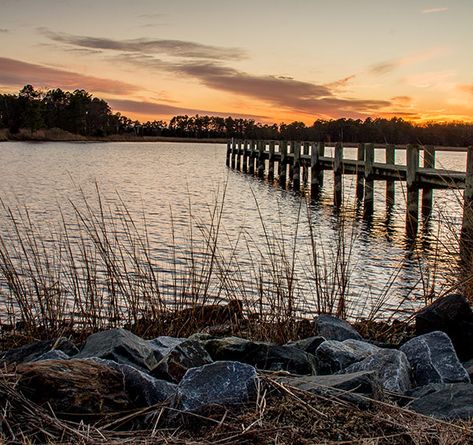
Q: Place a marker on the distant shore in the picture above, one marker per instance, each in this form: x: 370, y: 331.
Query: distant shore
x: 56, y: 135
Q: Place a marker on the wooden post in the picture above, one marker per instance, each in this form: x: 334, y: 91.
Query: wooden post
x: 305, y: 163
x: 245, y: 156
x: 251, y: 169
x: 283, y: 163
x: 360, y: 176
x: 321, y: 170
x: 428, y: 193
x: 229, y: 152
x: 296, y: 177
x: 314, y: 170
x: 290, y: 161
x: 261, y: 149
x: 412, y: 214
x: 390, y: 160
x: 233, y: 153
x: 337, y: 174
x: 466, y: 236
x: 271, y: 161
x: 369, y: 180
x: 238, y: 160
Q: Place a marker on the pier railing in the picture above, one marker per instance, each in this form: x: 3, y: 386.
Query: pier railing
x: 296, y: 159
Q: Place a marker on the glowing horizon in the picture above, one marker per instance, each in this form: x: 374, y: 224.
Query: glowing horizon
x: 274, y: 61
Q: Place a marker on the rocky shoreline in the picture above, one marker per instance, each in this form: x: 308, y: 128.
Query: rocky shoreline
x: 117, y: 371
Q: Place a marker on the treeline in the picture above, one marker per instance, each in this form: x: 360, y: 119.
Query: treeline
x: 80, y: 113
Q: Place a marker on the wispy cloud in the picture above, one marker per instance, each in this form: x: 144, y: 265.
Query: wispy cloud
x: 4, y: 30
x: 466, y: 88
x: 153, y: 109
x: 173, y: 48
x: 401, y: 100
x: 17, y: 73
x: 388, y: 66
x: 433, y: 10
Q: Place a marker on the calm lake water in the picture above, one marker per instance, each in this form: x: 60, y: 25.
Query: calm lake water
x: 176, y: 187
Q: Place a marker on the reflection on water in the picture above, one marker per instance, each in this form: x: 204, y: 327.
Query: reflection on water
x: 174, y: 186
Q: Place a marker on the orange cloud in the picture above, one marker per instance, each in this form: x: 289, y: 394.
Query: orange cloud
x: 17, y: 73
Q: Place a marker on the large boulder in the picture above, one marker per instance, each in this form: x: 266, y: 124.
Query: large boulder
x: 334, y: 328
x: 433, y: 360
x: 35, y: 350
x: 333, y: 356
x: 308, y: 345
x: 261, y: 355
x: 448, y: 401
x: 178, y: 359
x: 74, y: 387
x: 121, y: 346
x: 348, y: 387
x: 142, y: 388
x: 391, y: 366
x: 451, y: 314
x: 162, y: 345
x: 219, y: 384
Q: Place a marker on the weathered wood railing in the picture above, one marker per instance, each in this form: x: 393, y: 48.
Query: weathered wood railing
x: 296, y: 159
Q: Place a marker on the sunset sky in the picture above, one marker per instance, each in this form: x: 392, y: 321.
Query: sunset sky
x: 271, y: 60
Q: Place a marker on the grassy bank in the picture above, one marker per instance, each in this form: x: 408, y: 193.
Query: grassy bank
x: 58, y: 135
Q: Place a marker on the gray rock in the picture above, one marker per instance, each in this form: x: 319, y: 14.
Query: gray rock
x: 261, y: 355
x: 162, y: 345
x: 333, y: 328
x: 141, y: 388
x: 308, y: 345
x: 221, y: 384
x: 448, y: 401
x: 178, y: 359
x: 34, y: 350
x: 333, y: 356
x: 54, y: 354
x: 434, y: 360
x: 121, y: 346
x: 348, y: 387
x: 392, y: 368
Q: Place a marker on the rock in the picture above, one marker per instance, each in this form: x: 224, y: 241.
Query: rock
x: 348, y: 387
x: 333, y: 328
x: 80, y: 387
x: 333, y: 356
x: 54, y: 354
x: 433, y: 359
x: 468, y: 365
x: 142, y: 389
x: 261, y: 355
x: 121, y: 346
x: 180, y: 358
x: 451, y: 314
x: 391, y: 366
x: 162, y: 345
x: 34, y: 350
x: 308, y: 345
x: 221, y: 384
x: 446, y: 401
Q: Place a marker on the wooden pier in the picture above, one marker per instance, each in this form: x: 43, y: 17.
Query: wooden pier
x: 295, y: 160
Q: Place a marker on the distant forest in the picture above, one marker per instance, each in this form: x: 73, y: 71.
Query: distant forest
x: 80, y: 113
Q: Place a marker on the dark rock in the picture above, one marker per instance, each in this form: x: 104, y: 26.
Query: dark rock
x: 162, y: 345
x: 392, y: 369
x: 34, y: 350
x: 333, y: 356
x: 468, y: 365
x: 433, y: 360
x: 347, y: 387
x: 308, y: 345
x: 451, y: 314
x: 121, y: 346
x: 180, y: 358
x: 142, y: 389
x: 333, y: 328
x: 446, y: 401
x: 261, y: 355
x: 220, y: 384
x: 80, y: 387
x: 54, y: 354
